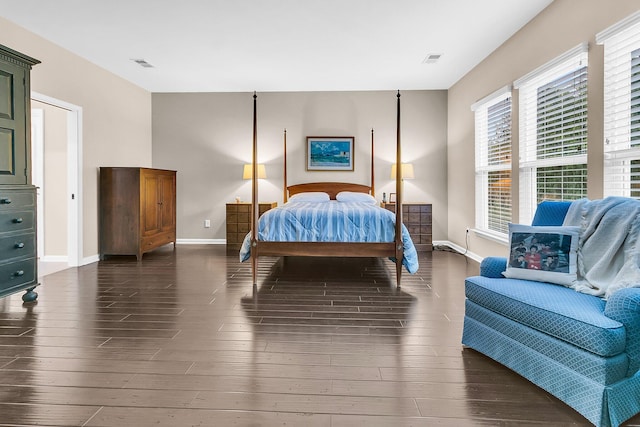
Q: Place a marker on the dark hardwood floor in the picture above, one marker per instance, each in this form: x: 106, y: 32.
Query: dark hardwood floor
x: 181, y: 339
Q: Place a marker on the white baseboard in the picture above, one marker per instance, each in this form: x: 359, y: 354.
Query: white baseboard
x: 201, y: 241
x: 459, y: 249
x: 90, y: 259
x: 54, y: 258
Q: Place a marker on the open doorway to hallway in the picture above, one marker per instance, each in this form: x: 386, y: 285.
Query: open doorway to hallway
x: 54, y: 148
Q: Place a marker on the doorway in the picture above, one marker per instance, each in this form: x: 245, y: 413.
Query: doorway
x: 56, y: 171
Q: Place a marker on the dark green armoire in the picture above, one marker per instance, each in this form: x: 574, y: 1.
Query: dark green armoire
x: 18, y: 249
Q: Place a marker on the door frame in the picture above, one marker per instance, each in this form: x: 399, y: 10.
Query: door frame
x: 74, y: 176
x: 37, y: 169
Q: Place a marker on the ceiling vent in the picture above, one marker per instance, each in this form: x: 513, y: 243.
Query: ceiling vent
x: 432, y: 58
x: 142, y: 63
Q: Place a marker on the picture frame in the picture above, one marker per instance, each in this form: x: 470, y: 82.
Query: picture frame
x: 330, y: 153
x: 392, y: 197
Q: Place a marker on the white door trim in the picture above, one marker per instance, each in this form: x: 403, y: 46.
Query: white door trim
x: 74, y: 176
x: 37, y: 168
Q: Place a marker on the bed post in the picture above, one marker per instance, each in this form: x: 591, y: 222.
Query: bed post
x: 398, y: 242
x: 373, y: 181
x: 254, y: 198
x: 284, y: 189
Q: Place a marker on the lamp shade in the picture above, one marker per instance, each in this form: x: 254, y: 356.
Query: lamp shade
x: 247, y: 173
x: 406, y: 171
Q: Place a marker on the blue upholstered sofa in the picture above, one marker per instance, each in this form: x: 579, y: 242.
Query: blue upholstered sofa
x: 583, y: 349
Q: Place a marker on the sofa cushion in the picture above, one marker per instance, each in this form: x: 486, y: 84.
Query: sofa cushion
x: 568, y: 315
x: 550, y: 212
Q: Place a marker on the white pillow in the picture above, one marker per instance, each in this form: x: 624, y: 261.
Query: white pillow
x: 313, y: 196
x: 350, y: 196
x: 543, y: 253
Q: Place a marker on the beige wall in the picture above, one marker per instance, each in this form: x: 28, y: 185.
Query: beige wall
x: 207, y: 138
x: 116, y: 114
x: 560, y: 27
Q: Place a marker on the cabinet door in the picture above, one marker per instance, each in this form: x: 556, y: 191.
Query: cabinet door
x: 167, y: 201
x: 13, y: 137
x: 150, y: 192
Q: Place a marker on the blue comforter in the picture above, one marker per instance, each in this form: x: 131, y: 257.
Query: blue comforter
x: 331, y: 222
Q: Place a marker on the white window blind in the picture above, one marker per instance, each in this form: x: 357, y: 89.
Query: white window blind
x: 493, y: 162
x: 553, y: 132
x: 622, y: 107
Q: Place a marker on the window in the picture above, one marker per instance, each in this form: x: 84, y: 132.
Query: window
x: 553, y: 132
x: 622, y: 107
x: 493, y: 163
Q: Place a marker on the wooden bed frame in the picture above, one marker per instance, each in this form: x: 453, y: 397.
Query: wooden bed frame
x: 326, y: 249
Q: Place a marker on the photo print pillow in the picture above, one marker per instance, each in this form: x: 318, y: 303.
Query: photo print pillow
x: 543, y: 254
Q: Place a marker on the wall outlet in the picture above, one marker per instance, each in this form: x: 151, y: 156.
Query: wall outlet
x: 467, y: 230
x: 207, y: 223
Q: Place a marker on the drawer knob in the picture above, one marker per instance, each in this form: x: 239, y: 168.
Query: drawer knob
x: 19, y: 273
x: 19, y: 245
x: 17, y: 220
x: 5, y: 201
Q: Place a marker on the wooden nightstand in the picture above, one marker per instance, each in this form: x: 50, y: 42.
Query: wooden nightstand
x: 417, y: 218
x: 239, y: 222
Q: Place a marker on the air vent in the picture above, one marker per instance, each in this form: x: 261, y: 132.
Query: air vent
x: 432, y: 58
x: 142, y: 63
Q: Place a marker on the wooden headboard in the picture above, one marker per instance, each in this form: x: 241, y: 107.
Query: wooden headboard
x: 331, y: 188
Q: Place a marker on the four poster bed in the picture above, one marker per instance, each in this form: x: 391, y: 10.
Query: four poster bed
x: 329, y: 219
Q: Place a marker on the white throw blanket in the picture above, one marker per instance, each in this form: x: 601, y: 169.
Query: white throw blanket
x: 608, y: 256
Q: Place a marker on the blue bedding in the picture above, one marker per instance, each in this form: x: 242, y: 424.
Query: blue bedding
x: 331, y: 222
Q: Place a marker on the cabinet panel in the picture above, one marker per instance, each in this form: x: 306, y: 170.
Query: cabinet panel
x: 14, y: 139
x: 7, y: 152
x: 167, y: 202
x: 6, y: 95
x: 151, y: 199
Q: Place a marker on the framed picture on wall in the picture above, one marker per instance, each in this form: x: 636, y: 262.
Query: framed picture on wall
x: 330, y: 153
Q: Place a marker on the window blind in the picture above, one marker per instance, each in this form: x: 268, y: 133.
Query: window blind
x: 622, y: 107
x: 553, y: 132
x: 493, y: 162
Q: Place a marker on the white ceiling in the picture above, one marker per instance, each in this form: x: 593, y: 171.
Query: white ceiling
x: 278, y: 45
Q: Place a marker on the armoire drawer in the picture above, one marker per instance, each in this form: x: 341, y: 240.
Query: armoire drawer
x: 17, y: 246
x: 17, y: 273
x: 16, y: 199
x: 157, y: 240
x: 19, y: 220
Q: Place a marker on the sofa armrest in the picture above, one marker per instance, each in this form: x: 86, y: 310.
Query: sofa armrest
x: 493, y: 267
x: 624, y: 306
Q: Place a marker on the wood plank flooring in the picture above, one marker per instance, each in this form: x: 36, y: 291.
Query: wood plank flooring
x: 181, y: 339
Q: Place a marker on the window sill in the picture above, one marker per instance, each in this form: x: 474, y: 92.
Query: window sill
x: 491, y: 235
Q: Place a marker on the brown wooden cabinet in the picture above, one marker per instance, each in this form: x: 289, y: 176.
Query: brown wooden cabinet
x: 239, y: 222
x: 137, y: 210
x: 417, y: 218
